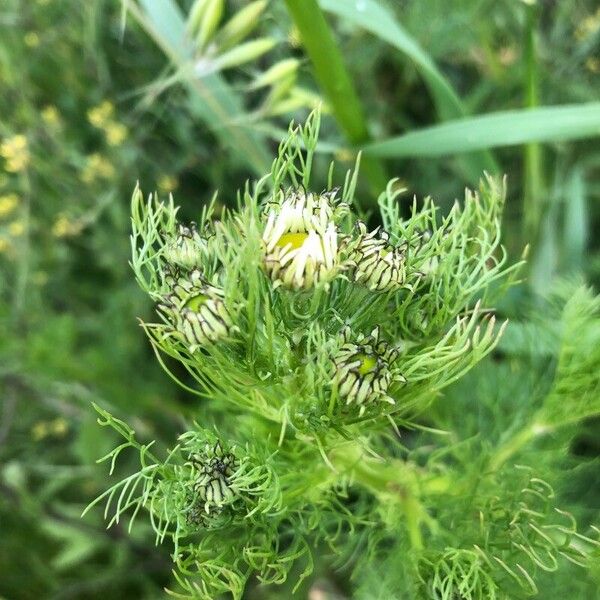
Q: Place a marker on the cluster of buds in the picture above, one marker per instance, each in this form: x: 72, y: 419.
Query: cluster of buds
x: 196, y: 310
x: 300, y: 238
x: 303, y: 246
x: 363, y: 369
x: 221, y: 46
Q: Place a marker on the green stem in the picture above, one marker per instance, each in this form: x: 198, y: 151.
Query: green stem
x: 22, y: 274
x: 393, y: 478
x: 413, y: 513
x: 533, y: 178
x: 334, y: 80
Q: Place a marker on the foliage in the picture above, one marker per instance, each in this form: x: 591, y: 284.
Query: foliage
x: 99, y: 94
x: 288, y: 360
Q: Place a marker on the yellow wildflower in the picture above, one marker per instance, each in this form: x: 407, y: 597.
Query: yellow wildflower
x: 588, y: 26
x: 345, y: 155
x: 97, y: 167
x: 39, y: 431
x: 8, y: 203
x: 116, y: 133
x: 100, y: 115
x: 16, y: 153
x: 167, y: 183
x: 592, y: 64
x: 31, y: 39
x: 16, y: 228
x: 59, y: 427
x: 65, y: 227
x: 50, y: 115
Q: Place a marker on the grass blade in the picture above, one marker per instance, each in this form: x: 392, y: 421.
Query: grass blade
x: 506, y: 128
x: 375, y: 18
x: 371, y: 16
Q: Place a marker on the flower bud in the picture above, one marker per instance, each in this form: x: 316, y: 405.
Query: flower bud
x: 195, y: 16
x: 187, y: 248
x: 300, y: 239
x: 209, y: 22
x: 280, y: 71
x: 196, y: 311
x: 297, y: 99
x: 378, y: 264
x: 241, y: 24
x: 362, y: 369
x: 244, y: 53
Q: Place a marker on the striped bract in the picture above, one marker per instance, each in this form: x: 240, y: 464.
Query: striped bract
x: 362, y: 369
x: 197, y: 311
x: 377, y: 263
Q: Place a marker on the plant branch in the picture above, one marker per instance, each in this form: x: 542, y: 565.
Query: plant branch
x: 394, y: 478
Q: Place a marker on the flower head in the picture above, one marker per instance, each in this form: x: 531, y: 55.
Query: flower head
x: 377, y: 263
x: 301, y: 238
x: 66, y: 226
x: 167, y: 183
x: 362, y: 369
x: 196, y: 310
x: 16, y: 228
x: 50, y: 115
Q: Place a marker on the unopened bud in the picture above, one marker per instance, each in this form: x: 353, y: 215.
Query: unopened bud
x: 209, y: 22
x: 244, y: 53
x: 195, y: 16
x: 297, y: 99
x: 241, y: 24
x: 284, y: 70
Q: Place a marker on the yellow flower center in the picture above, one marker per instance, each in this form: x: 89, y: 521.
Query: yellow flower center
x: 195, y: 302
x: 367, y: 363
x: 295, y: 240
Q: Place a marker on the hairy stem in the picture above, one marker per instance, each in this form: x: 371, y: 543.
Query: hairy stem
x: 393, y: 478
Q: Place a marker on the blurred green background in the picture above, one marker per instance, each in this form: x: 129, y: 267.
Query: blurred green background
x: 97, y: 95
